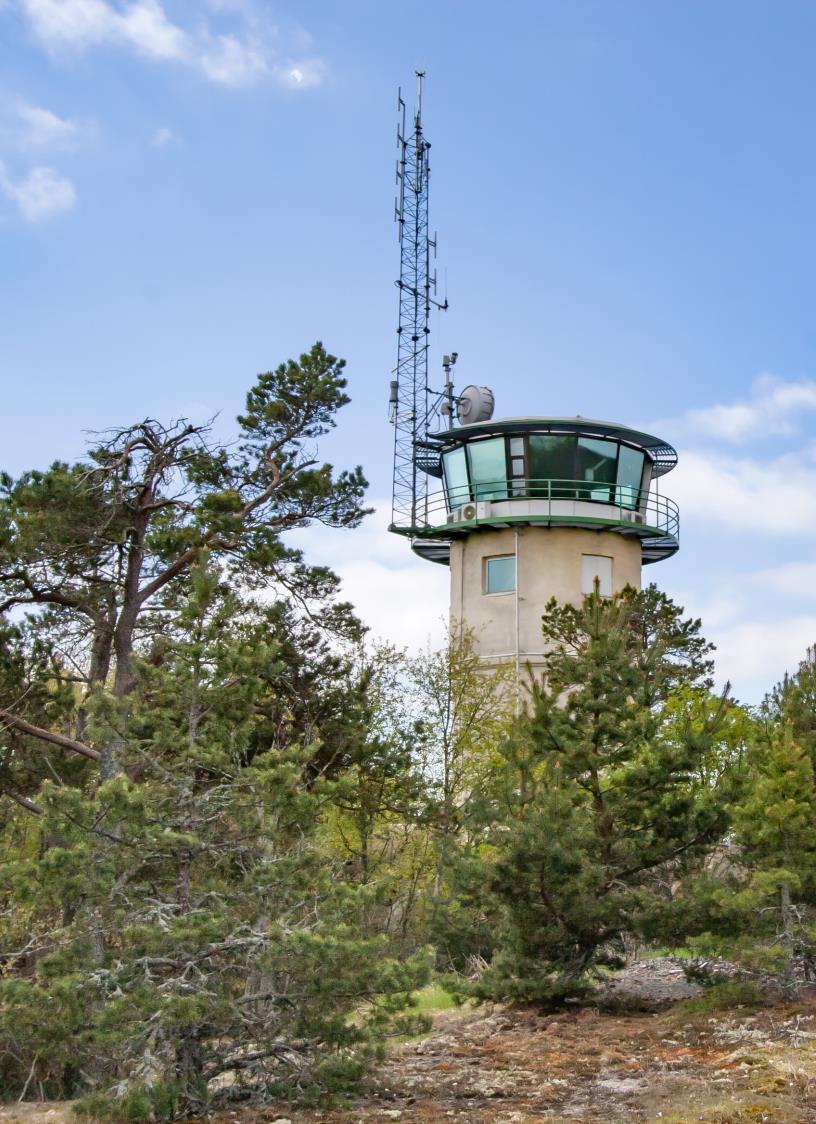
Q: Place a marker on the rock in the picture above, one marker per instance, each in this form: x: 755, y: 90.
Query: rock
x: 621, y: 1084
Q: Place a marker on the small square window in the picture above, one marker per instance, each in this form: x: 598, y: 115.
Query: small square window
x: 596, y: 566
x: 500, y: 574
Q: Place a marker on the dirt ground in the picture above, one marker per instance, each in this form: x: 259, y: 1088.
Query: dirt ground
x: 677, y: 1065
x: 37, y: 1112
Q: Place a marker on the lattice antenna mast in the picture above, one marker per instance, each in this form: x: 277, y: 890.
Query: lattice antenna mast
x: 412, y: 404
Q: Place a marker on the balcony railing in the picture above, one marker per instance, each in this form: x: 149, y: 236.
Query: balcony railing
x: 645, y: 513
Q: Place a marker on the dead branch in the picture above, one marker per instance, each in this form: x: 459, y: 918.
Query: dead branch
x: 23, y: 801
x: 60, y: 740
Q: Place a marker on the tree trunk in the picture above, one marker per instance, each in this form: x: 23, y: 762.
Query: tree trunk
x: 788, y: 978
x: 101, y: 656
x: 124, y: 679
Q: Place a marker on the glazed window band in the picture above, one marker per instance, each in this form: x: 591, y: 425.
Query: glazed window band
x: 545, y: 465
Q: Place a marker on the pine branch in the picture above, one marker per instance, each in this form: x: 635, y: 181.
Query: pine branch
x: 60, y: 740
x: 24, y: 802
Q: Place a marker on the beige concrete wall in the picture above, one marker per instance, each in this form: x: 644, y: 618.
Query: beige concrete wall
x: 549, y: 565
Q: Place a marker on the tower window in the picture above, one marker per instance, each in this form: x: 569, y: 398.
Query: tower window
x: 630, y: 475
x: 596, y: 462
x: 596, y: 566
x: 456, y: 477
x: 488, y: 469
x: 500, y: 574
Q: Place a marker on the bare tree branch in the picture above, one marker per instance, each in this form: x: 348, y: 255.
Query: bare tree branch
x: 23, y: 801
x: 24, y: 727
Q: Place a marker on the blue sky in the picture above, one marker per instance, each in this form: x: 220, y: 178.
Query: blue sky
x: 190, y: 192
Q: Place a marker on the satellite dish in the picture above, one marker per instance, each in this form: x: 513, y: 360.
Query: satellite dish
x: 475, y: 404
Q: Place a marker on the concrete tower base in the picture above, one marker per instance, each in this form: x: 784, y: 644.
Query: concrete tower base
x: 550, y: 562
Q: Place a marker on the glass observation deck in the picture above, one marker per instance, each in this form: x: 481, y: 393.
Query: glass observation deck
x: 546, y: 472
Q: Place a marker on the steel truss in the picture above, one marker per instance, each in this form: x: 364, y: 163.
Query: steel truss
x: 412, y: 404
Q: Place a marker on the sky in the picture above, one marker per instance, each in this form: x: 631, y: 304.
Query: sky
x: 191, y: 192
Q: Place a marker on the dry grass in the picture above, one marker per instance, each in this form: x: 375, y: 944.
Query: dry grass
x: 513, y: 1067
x: 40, y: 1112
x: 494, y: 1066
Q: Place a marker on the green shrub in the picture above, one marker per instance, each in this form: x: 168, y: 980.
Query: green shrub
x: 721, y: 996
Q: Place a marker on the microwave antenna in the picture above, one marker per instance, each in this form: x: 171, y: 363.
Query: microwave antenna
x: 413, y: 406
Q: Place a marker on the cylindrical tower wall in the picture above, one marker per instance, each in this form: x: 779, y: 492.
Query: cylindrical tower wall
x: 555, y: 562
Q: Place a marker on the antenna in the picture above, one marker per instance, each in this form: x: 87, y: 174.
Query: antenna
x: 412, y: 405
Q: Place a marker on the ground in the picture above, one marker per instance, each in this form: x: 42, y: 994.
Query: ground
x: 684, y: 1063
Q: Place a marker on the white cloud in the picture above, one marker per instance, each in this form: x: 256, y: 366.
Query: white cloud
x: 225, y: 59
x: 57, y: 22
x: 761, y: 621
x: 244, y: 7
x: 33, y: 129
x: 162, y: 137
x: 773, y: 497
x: 80, y: 23
x: 755, y: 655
x: 148, y: 29
x: 401, y: 598
x: 791, y: 579
x: 28, y: 134
x: 231, y: 59
x: 43, y: 192
x: 774, y: 407
x: 301, y: 75
x: 44, y: 129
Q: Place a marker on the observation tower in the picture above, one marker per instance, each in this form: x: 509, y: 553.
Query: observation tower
x: 539, y: 507
x: 520, y: 509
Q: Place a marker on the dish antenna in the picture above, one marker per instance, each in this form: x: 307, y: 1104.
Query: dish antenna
x: 475, y: 404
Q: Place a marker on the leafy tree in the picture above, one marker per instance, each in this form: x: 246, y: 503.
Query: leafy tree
x: 377, y: 823
x: 430, y: 727
x: 602, y: 798
x: 462, y: 713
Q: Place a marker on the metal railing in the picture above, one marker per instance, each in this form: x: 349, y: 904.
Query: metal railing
x: 617, y: 503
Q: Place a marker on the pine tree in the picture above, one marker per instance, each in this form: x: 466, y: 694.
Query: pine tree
x: 99, y: 544
x: 775, y: 830
x: 759, y: 907
x: 601, y: 799
x: 174, y: 742
x: 793, y: 701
